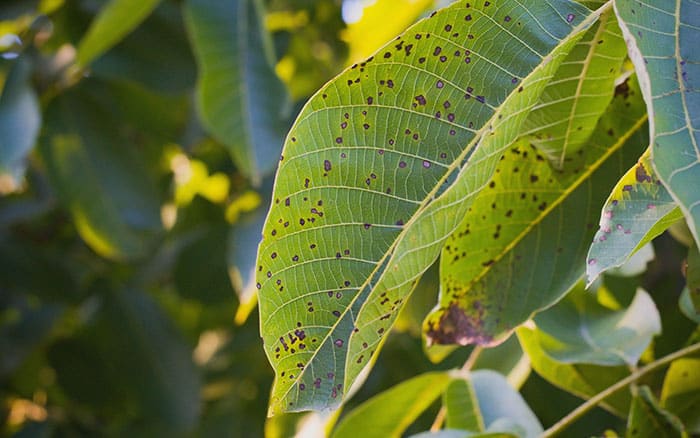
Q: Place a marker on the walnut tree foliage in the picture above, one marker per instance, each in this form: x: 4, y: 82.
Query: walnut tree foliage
x: 455, y: 219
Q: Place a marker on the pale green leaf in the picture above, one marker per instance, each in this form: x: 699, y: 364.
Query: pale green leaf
x: 378, y: 170
x: 681, y: 392
x: 241, y: 101
x: 114, y: 21
x: 502, y: 407
x: 455, y: 433
x: 392, y: 411
x: 663, y: 38
x: 638, y: 209
x: 579, y: 329
x: 685, y: 303
x: 508, y: 359
x: 581, y: 380
x: 462, y: 406
x: 573, y: 101
x: 523, y: 243
x: 647, y: 419
x: 20, y: 120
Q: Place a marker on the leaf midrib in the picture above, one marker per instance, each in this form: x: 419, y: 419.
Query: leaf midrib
x: 429, y: 198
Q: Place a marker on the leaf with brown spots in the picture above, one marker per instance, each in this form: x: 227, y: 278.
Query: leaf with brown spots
x: 386, y: 197
x: 523, y: 243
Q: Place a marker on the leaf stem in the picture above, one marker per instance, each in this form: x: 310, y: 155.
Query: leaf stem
x: 468, y: 365
x: 593, y: 401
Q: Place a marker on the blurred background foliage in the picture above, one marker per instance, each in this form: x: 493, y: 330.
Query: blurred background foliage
x: 138, y: 141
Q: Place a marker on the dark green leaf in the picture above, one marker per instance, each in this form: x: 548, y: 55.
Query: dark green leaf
x: 114, y: 21
x: 20, y: 120
x: 378, y: 170
x: 692, y: 296
x: 241, y: 100
x: 391, y: 412
x: 647, y: 419
x: 523, y: 243
x: 100, y: 175
x: 663, y: 38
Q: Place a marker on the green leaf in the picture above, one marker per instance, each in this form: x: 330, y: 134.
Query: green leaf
x: 663, y: 38
x: 573, y: 101
x: 392, y: 411
x: 638, y: 209
x: 100, y: 175
x: 453, y: 433
x: 506, y: 358
x: 581, y: 380
x: 378, y: 170
x: 503, y: 407
x: 579, y: 329
x: 681, y: 392
x: 647, y: 419
x: 114, y: 21
x: 693, y: 281
x: 240, y: 99
x: 688, y: 308
x: 20, y: 120
x: 462, y: 406
x: 523, y: 243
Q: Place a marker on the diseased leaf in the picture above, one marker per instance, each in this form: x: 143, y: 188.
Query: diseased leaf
x: 377, y: 171
x: 663, y: 38
x: 681, y: 392
x: 647, y: 419
x: 523, y: 242
x: 581, y: 380
x: 573, y: 101
x: 579, y: 329
x: 240, y: 100
x: 114, y: 21
x: 392, y: 411
x: 638, y: 209
x: 100, y: 175
x: 502, y: 407
x: 462, y: 407
x: 20, y: 121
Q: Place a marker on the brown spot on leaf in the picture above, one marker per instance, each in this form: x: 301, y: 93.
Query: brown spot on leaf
x: 456, y: 327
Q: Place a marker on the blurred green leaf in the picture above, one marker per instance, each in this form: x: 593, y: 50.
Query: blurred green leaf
x: 241, y: 101
x: 681, y: 392
x: 685, y: 303
x: 579, y: 329
x: 579, y: 379
x: 638, y: 209
x: 20, y: 121
x: 156, y: 54
x: 582, y: 89
x: 340, y: 254
x: 502, y: 407
x: 647, y: 419
x: 663, y: 39
x: 100, y: 176
x: 523, y: 243
x: 116, y: 19
x: 391, y: 412
x: 693, y: 280
x: 462, y: 406
x: 507, y: 359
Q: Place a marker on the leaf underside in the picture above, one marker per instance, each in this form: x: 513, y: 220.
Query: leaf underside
x: 663, y: 37
x: 377, y: 171
x: 523, y: 243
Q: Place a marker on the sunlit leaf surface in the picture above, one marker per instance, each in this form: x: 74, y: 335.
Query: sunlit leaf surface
x: 663, y: 38
x: 681, y: 392
x: 523, y: 243
x: 378, y: 170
